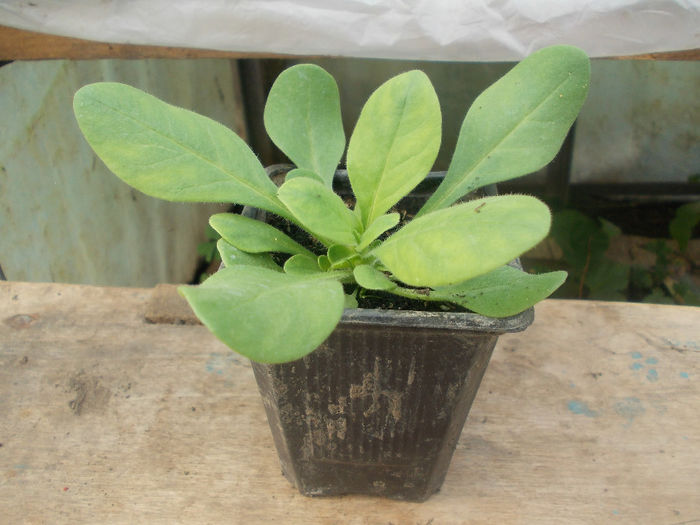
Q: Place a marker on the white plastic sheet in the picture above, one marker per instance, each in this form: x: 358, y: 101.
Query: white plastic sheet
x: 458, y: 30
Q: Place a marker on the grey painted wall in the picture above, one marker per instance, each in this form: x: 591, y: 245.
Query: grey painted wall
x: 640, y: 123
x: 63, y: 216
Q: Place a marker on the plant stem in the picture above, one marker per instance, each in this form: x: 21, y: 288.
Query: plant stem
x: 585, y: 268
x: 409, y: 293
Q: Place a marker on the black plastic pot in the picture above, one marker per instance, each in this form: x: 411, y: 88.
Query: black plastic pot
x: 379, y: 407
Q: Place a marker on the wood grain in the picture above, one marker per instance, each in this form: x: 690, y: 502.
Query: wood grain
x: 18, y: 44
x: 590, y: 416
x: 686, y: 54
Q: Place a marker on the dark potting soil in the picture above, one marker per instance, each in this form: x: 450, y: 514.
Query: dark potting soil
x: 370, y: 299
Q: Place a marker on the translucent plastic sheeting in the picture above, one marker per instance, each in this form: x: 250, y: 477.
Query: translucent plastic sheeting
x: 458, y: 30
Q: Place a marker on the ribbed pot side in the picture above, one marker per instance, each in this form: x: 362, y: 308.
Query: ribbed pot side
x: 376, y: 409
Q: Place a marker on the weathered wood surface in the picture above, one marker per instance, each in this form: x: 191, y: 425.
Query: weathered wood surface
x: 591, y: 416
x: 20, y: 44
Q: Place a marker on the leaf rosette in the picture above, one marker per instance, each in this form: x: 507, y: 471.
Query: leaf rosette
x: 277, y: 300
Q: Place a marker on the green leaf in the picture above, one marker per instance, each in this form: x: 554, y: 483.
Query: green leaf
x: 230, y: 256
x: 340, y: 252
x: 371, y: 278
x: 298, y: 172
x: 378, y: 226
x: 302, y: 117
x: 502, y: 292
x: 470, y: 239
x: 609, y: 229
x: 394, y: 144
x: 254, y: 236
x: 207, y: 250
x: 324, y: 263
x: 606, y: 279
x: 301, y: 264
x: 686, y: 291
x: 517, y: 125
x: 169, y: 152
x: 211, y: 233
x: 350, y: 301
x: 582, y: 239
x: 683, y: 223
x: 640, y: 278
x: 319, y: 210
x: 267, y: 316
x: 340, y: 256
x: 658, y: 296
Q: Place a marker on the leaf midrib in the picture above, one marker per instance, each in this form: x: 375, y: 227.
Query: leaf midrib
x: 193, y: 152
x: 382, y: 179
x: 448, y: 195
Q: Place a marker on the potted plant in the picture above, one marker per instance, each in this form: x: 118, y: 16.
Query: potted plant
x: 359, y: 400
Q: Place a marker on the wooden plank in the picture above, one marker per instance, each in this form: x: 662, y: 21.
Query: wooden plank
x: 18, y: 44
x: 686, y: 54
x: 590, y: 416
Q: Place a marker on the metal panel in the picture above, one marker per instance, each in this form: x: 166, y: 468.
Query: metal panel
x: 63, y: 216
x: 640, y: 123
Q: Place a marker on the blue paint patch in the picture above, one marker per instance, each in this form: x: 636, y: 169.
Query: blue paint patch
x: 214, y: 369
x: 636, y: 366
x: 581, y: 408
x: 629, y: 408
x: 616, y: 512
x: 572, y: 385
x: 636, y: 355
x: 652, y: 374
x: 219, y: 363
x: 684, y: 375
x: 683, y: 345
x: 651, y: 361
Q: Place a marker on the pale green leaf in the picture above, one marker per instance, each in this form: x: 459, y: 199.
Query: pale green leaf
x: 230, y: 256
x: 517, y: 125
x: 319, y: 210
x: 378, y: 226
x: 302, y: 117
x: 394, y: 144
x: 455, y: 244
x: 323, y: 262
x: 169, y: 152
x: 502, y: 292
x: 350, y: 301
x: 301, y: 264
x: 340, y: 252
x: 254, y: 236
x: 341, y: 256
x: 371, y: 278
x: 267, y: 316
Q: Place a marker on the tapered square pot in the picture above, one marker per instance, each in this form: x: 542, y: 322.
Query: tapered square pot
x: 379, y: 407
